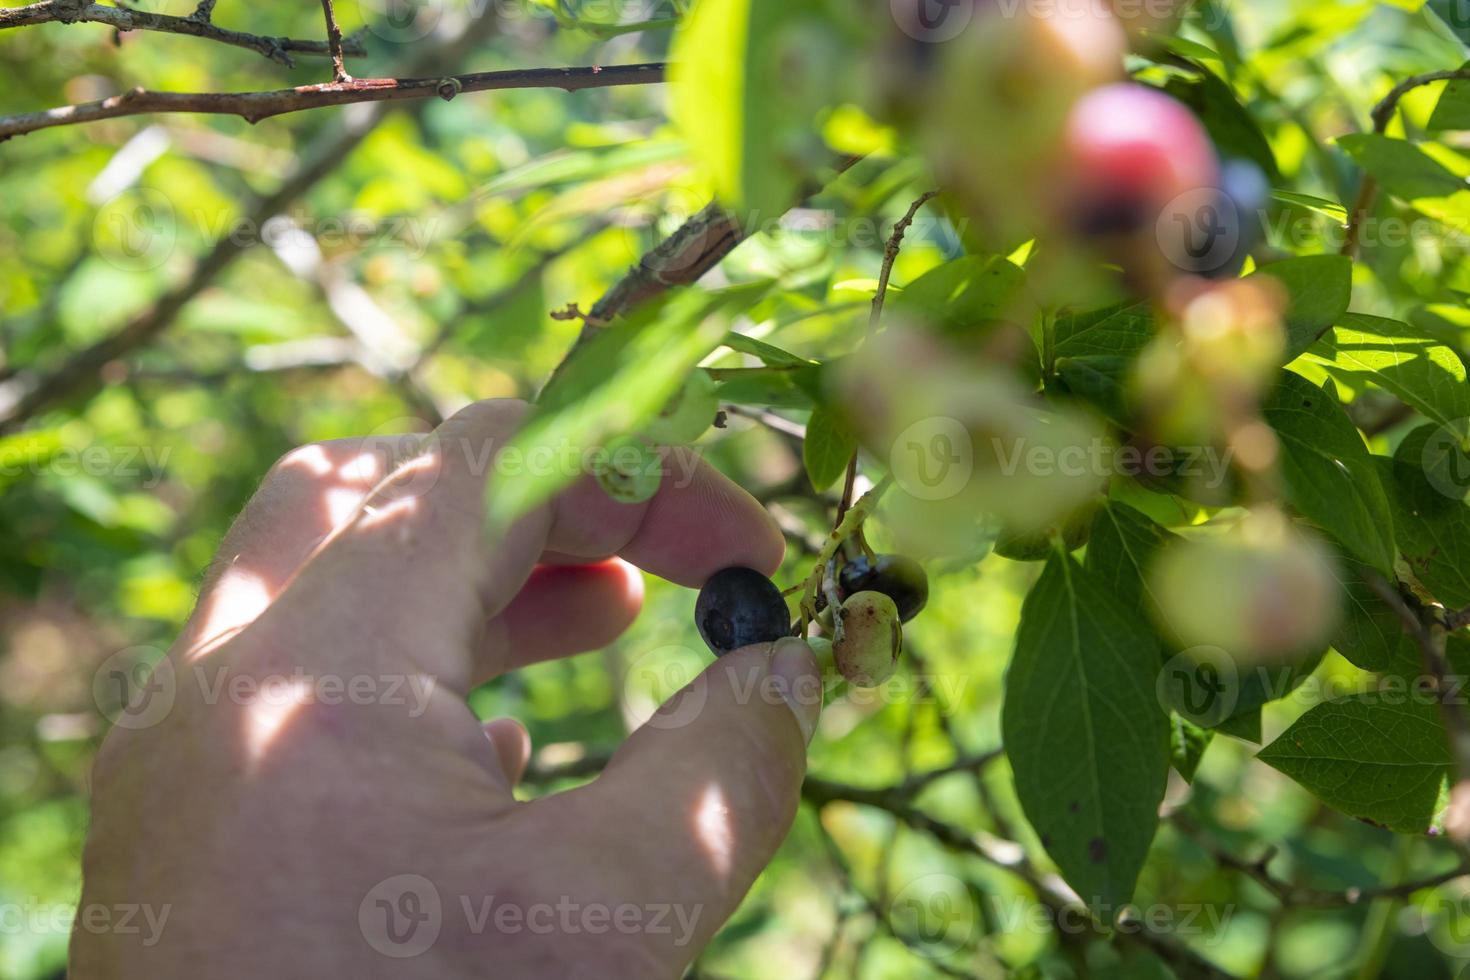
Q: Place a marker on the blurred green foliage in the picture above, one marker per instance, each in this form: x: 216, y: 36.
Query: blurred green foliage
x: 462, y: 226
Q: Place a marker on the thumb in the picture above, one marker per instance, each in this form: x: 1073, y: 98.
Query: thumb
x: 704, y: 793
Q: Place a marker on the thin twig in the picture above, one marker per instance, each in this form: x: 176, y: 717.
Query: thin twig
x: 334, y: 44
x: 196, y: 24
x: 770, y: 420
x: 1292, y: 895
x: 255, y: 106
x: 875, y: 315
x: 1003, y: 854
x: 1381, y: 116
x: 878, y: 907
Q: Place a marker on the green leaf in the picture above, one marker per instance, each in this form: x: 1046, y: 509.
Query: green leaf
x: 1324, y: 207
x: 1453, y: 109
x: 1120, y: 548
x: 1380, y: 757
x: 765, y: 387
x: 1329, y: 474
x: 769, y: 354
x: 1400, y: 359
x: 1187, y: 744
x: 1114, y: 331
x: 1244, y: 725
x: 1408, y: 173
x: 1371, y: 635
x: 1101, y: 381
x: 747, y: 78
x: 1087, y: 739
x: 828, y: 446
x: 1232, y: 128
x: 962, y: 294
x: 1319, y: 289
x: 611, y: 387
x: 1433, y: 531
x: 26, y: 452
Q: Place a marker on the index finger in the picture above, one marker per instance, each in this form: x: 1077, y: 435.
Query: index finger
x: 415, y: 575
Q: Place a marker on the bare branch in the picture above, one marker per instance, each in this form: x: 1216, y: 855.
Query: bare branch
x: 255, y: 106
x: 195, y: 25
x: 695, y: 248
x: 39, y: 387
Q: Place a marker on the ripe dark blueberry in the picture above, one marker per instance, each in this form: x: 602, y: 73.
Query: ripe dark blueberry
x: 738, y: 607
x: 900, y: 579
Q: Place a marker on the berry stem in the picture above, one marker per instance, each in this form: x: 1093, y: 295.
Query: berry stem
x: 850, y: 524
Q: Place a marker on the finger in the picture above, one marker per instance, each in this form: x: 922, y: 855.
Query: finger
x: 512, y: 744
x: 564, y: 610
x: 696, y: 801
x: 306, y: 495
x: 698, y: 523
x: 414, y: 574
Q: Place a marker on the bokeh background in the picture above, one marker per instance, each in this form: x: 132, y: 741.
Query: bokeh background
x: 414, y: 268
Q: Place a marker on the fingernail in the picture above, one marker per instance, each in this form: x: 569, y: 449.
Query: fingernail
x: 798, y: 681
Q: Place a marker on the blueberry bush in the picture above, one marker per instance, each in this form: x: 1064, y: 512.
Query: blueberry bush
x: 1103, y: 362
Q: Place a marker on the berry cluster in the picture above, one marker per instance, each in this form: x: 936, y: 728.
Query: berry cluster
x: 739, y: 606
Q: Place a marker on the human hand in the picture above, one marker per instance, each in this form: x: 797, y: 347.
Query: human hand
x: 279, y: 832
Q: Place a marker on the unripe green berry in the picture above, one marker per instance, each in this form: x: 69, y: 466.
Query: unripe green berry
x: 872, y: 639
x: 629, y: 471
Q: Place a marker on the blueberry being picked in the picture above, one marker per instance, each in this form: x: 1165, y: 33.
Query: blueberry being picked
x: 740, y: 606
x: 900, y: 579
